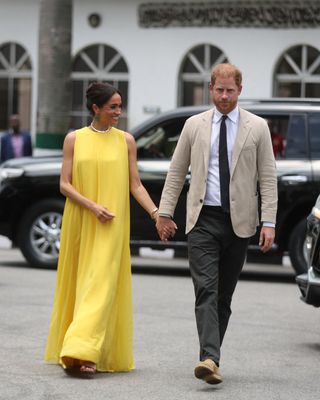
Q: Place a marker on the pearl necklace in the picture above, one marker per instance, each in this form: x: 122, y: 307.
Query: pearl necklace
x: 97, y: 130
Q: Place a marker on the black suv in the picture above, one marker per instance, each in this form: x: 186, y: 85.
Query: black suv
x: 31, y: 205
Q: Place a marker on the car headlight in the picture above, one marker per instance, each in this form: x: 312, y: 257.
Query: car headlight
x: 6, y: 173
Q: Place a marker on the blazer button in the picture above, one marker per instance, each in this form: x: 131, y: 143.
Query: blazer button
x: 201, y: 200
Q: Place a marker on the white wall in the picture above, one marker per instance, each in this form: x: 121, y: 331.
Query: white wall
x: 154, y: 56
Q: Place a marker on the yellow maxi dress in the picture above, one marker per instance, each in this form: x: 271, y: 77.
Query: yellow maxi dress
x: 92, y: 312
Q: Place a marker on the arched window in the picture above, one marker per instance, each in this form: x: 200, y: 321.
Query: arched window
x: 97, y: 63
x: 15, y: 84
x: 297, y: 73
x: 195, y: 73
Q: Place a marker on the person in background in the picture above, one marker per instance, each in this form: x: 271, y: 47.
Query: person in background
x: 228, y: 151
x: 91, y: 327
x: 15, y: 142
x: 278, y: 142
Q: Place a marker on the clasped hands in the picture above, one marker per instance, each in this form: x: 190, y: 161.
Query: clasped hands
x: 166, y: 228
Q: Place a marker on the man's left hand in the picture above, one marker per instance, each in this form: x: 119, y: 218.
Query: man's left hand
x: 266, y: 238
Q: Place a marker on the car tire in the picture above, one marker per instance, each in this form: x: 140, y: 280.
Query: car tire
x: 39, y: 233
x: 297, y: 249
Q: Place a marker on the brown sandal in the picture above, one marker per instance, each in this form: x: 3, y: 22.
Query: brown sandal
x: 88, y: 367
x: 84, y: 370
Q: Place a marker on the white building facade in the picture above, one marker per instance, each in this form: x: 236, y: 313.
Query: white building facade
x: 160, y: 53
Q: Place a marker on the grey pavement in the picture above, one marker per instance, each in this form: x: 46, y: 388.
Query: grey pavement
x: 271, y: 349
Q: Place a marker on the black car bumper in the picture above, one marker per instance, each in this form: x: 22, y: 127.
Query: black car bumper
x: 309, y: 285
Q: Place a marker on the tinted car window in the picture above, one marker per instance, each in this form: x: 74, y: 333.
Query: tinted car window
x: 160, y: 141
x: 314, y: 135
x: 296, y: 145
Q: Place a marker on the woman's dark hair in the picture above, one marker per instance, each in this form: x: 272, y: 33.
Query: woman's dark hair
x: 99, y: 93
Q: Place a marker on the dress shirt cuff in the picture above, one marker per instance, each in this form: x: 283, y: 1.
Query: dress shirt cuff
x: 164, y: 215
x: 268, y: 224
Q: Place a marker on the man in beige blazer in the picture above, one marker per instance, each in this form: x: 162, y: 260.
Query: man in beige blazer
x: 229, y: 153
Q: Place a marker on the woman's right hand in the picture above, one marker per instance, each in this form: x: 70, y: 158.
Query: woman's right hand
x: 102, y: 213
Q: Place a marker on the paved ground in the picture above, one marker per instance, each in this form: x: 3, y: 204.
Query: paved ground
x: 271, y: 351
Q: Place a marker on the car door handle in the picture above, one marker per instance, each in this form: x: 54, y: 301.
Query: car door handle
x: 294, y: 178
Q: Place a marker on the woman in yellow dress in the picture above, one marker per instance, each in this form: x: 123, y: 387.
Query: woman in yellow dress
x: 91, y: 326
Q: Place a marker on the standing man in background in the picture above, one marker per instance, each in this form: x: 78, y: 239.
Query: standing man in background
x: 15, y: 142
x: 229, y: 152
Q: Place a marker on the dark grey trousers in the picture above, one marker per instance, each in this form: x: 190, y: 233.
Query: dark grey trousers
x: 216, y: 258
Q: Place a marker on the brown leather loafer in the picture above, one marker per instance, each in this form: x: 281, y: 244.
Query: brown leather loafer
x: 208, y: 371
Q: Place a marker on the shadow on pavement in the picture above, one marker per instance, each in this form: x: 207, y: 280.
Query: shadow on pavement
x: 313, y: 346
x: 254, y: 273
x: 21, y: 264
x: 268, y: 277
x: 160, y: 270
x: 263, y: 276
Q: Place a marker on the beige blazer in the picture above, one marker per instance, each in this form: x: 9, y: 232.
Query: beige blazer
x: 252, y: 162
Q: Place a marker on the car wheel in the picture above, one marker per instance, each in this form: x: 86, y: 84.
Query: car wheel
x: 298, y: 247
x: 39, y: 233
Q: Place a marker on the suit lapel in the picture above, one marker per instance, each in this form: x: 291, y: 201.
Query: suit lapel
x: 243, y: 130
x: 206, y: 128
